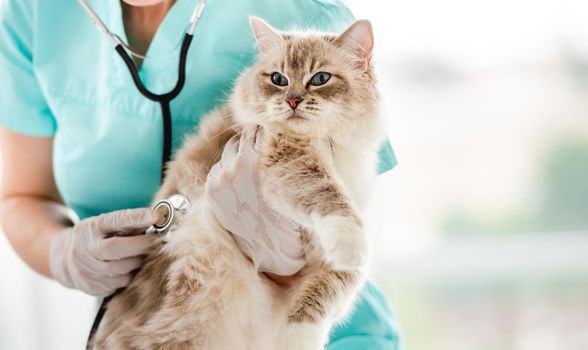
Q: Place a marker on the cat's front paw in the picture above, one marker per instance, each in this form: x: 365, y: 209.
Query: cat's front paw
x: 344, y: 241
x: 303, y: 337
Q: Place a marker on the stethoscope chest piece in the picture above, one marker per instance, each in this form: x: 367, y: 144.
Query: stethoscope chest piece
x: 166, y: 210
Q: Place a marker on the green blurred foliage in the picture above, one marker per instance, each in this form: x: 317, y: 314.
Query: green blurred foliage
x: 564, y: 200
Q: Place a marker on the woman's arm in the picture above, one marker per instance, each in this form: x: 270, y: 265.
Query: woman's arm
x: 97, y: 255
x: 31, y: 210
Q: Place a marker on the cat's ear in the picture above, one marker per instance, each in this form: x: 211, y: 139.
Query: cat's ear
x: 266, y: 36
x: 358, y: 40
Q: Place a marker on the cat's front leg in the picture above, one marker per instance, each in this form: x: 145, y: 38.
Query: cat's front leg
x: 343, y: 239
x: 299, y: 186
x: 303, y: 336
x: 338, y: 228
x: 325, y: 296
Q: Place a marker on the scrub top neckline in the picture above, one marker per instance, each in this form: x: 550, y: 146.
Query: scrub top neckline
x: 165, y: 44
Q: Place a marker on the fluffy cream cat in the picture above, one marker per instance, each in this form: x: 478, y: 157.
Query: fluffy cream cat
x: 314, y: 96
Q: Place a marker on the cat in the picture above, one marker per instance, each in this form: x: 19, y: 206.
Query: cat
x: 198, y: 290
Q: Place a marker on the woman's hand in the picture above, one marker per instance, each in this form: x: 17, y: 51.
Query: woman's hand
x: 98, y: 254
x: 233, y: 191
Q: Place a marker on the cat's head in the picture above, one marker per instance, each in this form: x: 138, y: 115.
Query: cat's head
x: 309, y: 82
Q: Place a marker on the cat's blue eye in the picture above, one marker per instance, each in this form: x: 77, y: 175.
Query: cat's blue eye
x: 320, y: 78
x: 279, y: 79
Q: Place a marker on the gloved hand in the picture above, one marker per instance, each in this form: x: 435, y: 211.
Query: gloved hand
x: 97, y: 254
x: 232, y: 189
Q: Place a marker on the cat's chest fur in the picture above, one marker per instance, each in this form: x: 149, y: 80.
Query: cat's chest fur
x: 352, y: 168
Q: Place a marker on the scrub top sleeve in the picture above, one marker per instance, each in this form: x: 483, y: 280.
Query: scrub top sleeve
x: 23, y: 107
x: 335, y: 18
x: 371, y: 325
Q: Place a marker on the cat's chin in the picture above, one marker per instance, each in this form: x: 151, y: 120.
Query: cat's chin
x: 302, y: 127
x: 290, y: 126
x: 300, y: 124
x: 296, y: 117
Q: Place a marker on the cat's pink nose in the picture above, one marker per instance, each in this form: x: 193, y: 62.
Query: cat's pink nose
x: 293, y: 102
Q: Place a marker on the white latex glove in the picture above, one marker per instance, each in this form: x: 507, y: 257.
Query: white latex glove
x: 232, y: 190
x: 98, y: 254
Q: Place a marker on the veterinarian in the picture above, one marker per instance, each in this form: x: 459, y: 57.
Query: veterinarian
x: 80, y: 144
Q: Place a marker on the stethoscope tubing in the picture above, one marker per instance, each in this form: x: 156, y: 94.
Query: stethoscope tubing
x: 164, y: 99
x: 168, y: 96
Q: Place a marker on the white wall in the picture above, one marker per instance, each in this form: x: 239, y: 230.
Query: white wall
x: 36, y: 313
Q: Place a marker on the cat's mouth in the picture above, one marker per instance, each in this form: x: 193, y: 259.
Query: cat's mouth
x: 296, y: 116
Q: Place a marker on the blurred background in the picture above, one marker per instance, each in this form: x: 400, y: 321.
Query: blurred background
x: 480, y: 235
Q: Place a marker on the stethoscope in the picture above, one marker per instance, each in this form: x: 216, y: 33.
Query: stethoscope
x: 165, y: 98
x: 176, y: 203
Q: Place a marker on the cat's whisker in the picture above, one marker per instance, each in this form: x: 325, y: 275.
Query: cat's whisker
x: 210, y: 164
x: 210, y: 139
x: 195, y: 128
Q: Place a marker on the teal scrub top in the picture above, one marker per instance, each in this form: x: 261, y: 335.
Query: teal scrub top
x: 60, y: 77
